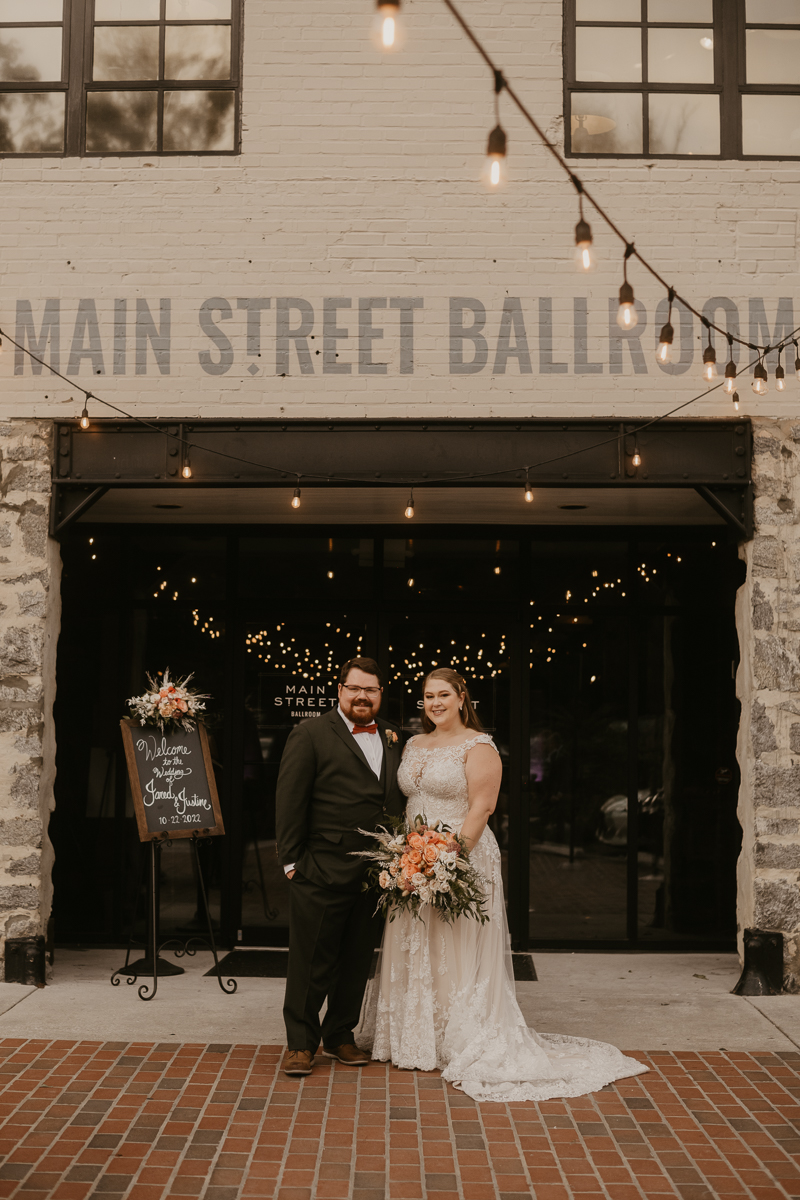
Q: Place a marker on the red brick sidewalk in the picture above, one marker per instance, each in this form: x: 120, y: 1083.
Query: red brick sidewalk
x: 145, y: 1121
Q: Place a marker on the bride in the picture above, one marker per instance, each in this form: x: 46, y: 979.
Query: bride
x: 443, y: 996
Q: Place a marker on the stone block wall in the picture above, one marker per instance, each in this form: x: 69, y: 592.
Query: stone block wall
x: 768, y: 685
x: 29, y: 619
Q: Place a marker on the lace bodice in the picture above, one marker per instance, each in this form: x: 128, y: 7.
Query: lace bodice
x: 435, y: 780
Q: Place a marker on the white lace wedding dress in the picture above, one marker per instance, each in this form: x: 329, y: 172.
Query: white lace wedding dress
x: 443, y: 996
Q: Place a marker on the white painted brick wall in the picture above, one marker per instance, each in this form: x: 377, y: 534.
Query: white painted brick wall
x: 360, y: 177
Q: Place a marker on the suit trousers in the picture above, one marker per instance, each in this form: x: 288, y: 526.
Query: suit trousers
x: 332, y: 936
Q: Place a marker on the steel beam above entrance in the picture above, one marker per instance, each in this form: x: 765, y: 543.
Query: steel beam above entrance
x: 229, y: 453
x: 711, y: 456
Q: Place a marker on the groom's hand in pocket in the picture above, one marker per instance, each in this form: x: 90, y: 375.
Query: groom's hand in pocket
x: 290, y: 874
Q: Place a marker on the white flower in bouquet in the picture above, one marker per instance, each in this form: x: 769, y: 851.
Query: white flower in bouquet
x: 418, y: 880
x: 385, y: 880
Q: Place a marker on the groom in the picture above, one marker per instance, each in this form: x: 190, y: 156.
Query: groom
x: 338, y: 774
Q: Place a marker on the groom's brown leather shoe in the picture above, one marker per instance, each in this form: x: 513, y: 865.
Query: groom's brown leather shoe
x: 349, y: 1055
x: 298, y: 1062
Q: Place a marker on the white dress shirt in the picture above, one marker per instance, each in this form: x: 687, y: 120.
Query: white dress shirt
x: 371, y: 746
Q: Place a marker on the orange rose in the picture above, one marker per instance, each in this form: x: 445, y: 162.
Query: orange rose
x: 415, y: 841
x: 414, y: 857
x: 431, y: 854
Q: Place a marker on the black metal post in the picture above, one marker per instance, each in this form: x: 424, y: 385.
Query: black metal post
x: 633, y: 754
x: 231, y: 982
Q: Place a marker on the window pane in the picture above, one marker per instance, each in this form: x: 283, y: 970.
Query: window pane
x: 32, y: 10
x: 126, y: 52
x: 28, y: 55
x: 127, y: 10
x: 772, y: 56
x: 197, y: 52
x: 120, y: 121
x: 774, y: 12
x: 608, y: 55
x: 771, y: 125
x: 606, y: 123
x: 198, y: 10
x: 682, y: 124
x: 198, y: 120
x: 603, y: 10
x: 31, y: 122
x: 680, y: 56
x: 680, y: 10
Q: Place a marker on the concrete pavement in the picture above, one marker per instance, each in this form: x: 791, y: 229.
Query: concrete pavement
x: 678, y: 1002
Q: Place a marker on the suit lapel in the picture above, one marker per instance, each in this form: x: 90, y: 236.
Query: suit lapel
x: 341, y: 730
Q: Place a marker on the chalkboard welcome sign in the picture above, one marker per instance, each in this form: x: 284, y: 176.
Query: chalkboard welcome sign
x: 172, y: 780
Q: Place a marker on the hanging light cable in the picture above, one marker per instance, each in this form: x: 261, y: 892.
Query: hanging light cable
x: 709, y: 357
x: 627, y: 316
x: 496, y: 147
x: 796, y: 358
x: 528, y: 492
x: 780, y: 374
x: 410, y: 505
x: 730, y: 371
x: 387, y: 27
x: 667, y: 335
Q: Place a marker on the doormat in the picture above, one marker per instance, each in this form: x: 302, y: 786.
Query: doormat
x: 271, y: 964
x: 253, y: 964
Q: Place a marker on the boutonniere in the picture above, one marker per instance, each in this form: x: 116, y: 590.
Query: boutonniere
x: 391, y: 737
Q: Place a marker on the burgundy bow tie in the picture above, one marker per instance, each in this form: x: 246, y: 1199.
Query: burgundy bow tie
x: 373, y: 728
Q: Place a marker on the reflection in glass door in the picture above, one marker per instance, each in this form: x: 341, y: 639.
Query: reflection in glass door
x: 291, y: 672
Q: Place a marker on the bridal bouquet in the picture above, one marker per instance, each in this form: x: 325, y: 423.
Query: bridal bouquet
x: 170, y: 706
x: 423, y: 866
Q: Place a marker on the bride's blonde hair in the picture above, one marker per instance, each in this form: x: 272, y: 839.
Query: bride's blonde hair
x: 459, y: 685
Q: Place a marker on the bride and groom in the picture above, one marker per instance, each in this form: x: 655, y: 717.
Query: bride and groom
x: 443, y: 994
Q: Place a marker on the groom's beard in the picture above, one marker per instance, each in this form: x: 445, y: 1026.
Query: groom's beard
x: 361, y: 712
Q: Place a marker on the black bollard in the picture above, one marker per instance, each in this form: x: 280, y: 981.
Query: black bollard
x: 762, y: 973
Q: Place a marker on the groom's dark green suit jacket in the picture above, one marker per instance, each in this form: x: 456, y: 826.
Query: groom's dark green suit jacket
x: 326, y: 792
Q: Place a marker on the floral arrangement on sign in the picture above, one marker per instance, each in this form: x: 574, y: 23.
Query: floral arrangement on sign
x: 421, y: 866
x: 168, y: 705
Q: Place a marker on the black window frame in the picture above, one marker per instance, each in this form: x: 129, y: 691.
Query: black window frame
x: 730, y: 84
x: 77, y: 83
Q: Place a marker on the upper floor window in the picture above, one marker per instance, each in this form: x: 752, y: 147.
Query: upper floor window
x: 683, y: 78
x: 119, y: 76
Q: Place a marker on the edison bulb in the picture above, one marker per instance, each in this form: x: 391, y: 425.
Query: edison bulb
x: 780, y: 379
x: 84, y: 421
x: 627, y: 316
x: 759, y: 384
x: 495, y: 170
x: 709, y: 371
x: 387, y: 27
x: 528, y: 495
x: 736, y: 401
x: 296, y: 498
x: 410, y: 509
x: 664, y: 349
x: 730, y: 384
x: 584, y: 254
x: 186, y: 472
x: 637, y: 459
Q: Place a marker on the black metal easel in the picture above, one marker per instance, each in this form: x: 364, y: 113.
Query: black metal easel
x: 152, y: 964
